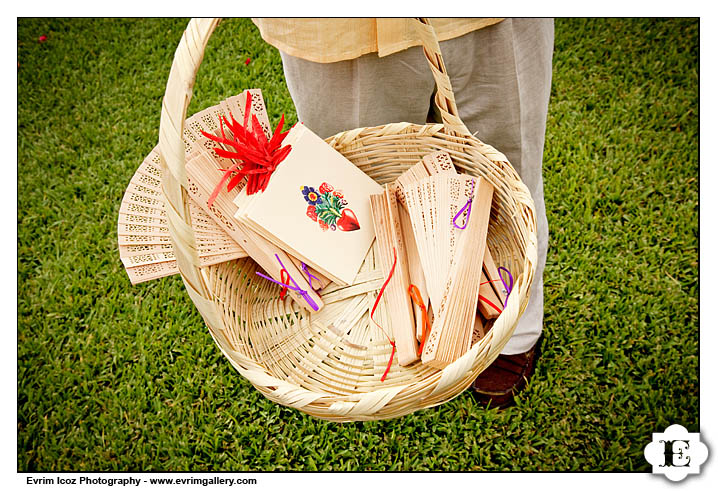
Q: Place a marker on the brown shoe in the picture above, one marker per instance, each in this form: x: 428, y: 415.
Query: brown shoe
x: 496, y: 386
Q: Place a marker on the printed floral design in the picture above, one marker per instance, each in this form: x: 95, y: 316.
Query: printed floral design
x: 327, y: 207
x: 312, y: 212
x: 311, y: 195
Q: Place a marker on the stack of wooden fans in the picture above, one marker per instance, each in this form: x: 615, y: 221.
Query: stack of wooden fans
x: 143, y: 234
x: 431, y: 227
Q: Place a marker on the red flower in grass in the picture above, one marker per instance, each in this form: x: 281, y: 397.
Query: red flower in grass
x: 247, y: 61
x: 42, y: 39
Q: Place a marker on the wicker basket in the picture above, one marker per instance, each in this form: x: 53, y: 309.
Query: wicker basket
x: 274, y: 344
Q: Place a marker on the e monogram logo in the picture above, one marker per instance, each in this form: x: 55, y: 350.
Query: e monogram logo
x: 669, y: 451
x: 676, y: 453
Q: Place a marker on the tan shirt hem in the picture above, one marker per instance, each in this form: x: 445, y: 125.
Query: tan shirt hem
x: 328, y: 40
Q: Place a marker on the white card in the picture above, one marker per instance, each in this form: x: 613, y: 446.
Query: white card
x: 315, y: 207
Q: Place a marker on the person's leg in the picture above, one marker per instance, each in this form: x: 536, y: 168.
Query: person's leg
x: 367, y: 91
x: 501, y: 76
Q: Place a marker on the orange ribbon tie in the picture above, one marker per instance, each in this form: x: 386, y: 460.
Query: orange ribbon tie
x: 415, y: 295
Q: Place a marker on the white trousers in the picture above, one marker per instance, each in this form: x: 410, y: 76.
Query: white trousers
x: 501, y: 76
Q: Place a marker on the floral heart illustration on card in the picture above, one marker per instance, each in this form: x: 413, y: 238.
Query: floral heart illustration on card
x: 327, y: 207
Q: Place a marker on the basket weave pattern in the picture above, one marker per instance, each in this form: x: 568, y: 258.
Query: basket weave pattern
x: 315, y: 362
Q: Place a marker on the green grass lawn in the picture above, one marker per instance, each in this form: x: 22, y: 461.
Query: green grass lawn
x: 116, y: 377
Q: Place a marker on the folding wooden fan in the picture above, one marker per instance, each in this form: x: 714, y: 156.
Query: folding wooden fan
x: 430, y: 164
x: 392, y: 255
x: 143, y: 234
x: 451, y: 256
x: 432, y: 203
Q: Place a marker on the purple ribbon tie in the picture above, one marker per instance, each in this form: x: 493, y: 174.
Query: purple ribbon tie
x: 294, y: 287
x: 311, y: 277
x: 507, y: 289
x: 466, y: 208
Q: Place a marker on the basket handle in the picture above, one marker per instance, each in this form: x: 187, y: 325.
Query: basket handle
x: 444, y: 97
x: 178, y: 94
